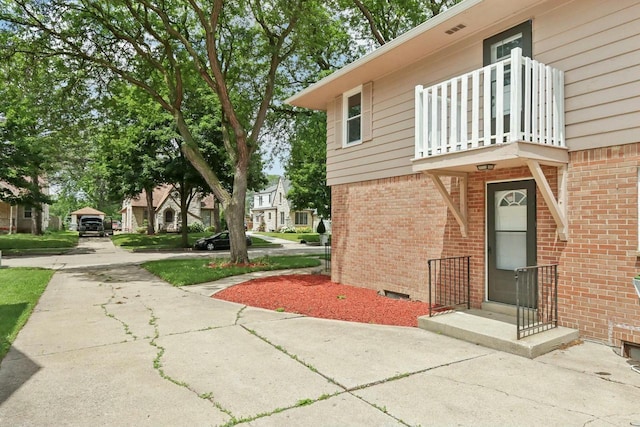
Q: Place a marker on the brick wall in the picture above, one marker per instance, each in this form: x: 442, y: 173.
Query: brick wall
x: 384, y: 231
x: 601, y: 256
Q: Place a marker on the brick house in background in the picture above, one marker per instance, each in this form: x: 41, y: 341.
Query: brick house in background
x: 271, y: 210
x: 542, y: 170
x: 166, y: 204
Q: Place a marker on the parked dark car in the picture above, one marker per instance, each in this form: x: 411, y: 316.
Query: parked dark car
x: 89, y: 225
x: 217, y: 241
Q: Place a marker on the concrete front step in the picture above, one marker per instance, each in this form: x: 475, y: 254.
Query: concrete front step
x: 496, y: 331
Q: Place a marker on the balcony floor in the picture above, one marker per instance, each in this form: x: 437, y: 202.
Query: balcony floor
x: 507, y: 155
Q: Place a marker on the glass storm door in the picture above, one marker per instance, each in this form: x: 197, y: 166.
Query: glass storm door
x: 511, y: 236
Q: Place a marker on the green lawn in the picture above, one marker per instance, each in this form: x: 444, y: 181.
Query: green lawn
x: 20, y: 289
x: 294, y: 237
x: 184, y: 272
x: 134, y: 241
x: 30, y: 243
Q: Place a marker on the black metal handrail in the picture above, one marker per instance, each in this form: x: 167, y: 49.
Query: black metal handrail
x: 327, y: 256
x: 449, y: 283
x: 536, y: 299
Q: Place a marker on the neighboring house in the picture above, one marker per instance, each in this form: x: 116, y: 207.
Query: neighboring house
x: 271, y: 210
x: 166, y: 205
x: 19, y: 218
x: 86, y: 211
x: 421, y: 167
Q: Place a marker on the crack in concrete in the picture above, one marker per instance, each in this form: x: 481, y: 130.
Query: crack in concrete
x: 239, y: 314
x: 125, y: 326
x: 523, y: 397
x: 582, y: 371
x: 349, y: 390
x: 157, y: 365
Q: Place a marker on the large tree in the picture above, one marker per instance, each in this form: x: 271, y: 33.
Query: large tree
x: 41, y: 108
x: 371, y: 23
x: 377, y: 22
x: 238, y: 48
x: 307, y: 167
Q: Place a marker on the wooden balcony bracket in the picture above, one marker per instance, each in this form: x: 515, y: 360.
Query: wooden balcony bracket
x: 459, y: 211
x: 557, y: 207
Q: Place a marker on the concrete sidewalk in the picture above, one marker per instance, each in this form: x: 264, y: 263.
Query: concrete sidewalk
x: 117, y: 346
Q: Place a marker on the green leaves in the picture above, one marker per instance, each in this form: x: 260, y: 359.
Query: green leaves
x: 306, y: 168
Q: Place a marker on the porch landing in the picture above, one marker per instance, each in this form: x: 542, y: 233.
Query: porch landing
x: 496, y: 331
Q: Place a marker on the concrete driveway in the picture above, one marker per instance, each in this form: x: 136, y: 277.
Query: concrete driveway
x: 114, y: 345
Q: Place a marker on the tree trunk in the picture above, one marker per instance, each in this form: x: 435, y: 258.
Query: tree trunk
x: 36, y: 210
x: 233, y: 204
x: 150, y: 212
x: 235, y: 216
x: 216, y: 215
x: 184, y: 209
x: 37, y: 218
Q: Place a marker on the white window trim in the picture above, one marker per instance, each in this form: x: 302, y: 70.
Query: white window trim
x: 345, y: 117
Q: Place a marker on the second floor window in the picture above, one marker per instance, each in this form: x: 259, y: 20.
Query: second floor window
x: 353, y: 116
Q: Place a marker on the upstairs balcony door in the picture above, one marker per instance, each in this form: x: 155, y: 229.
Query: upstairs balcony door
x: 511, y: 236
x: 498, y: 48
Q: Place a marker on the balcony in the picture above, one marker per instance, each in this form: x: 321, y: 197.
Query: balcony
x: 457, y: 128
x: 507, y: 114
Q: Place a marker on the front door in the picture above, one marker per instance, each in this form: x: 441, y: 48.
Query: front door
x: 511, y: 235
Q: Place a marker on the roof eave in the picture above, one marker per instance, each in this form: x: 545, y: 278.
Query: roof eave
x: 308, y: 98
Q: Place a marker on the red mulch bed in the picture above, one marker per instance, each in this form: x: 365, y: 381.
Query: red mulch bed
x: 318, y: 296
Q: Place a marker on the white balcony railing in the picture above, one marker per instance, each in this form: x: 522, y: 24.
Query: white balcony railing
x: 460, y: 113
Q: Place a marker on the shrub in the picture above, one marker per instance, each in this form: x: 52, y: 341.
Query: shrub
x: 210, y: 229
x: 141, y: 230
x: 195, y: 227
x: 321, y: 228
x: 304, y: 230
x: 286, y: 229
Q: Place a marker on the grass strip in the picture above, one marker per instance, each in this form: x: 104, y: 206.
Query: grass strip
x: 20, y: 290
x: 57, y: 240
x: 294, y: 237
x: 132, y: 241
x: 184, y: 272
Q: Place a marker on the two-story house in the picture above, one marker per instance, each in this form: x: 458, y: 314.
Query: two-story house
x: 271, y: 210
x: 505, y: 131
x: 166, y: 215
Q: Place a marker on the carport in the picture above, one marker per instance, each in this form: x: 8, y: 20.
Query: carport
x: 76, y: 215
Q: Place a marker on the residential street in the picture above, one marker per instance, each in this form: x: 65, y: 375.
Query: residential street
x: 111, y: 344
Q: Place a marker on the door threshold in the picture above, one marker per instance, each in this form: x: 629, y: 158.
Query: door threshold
x: 499, y: 307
